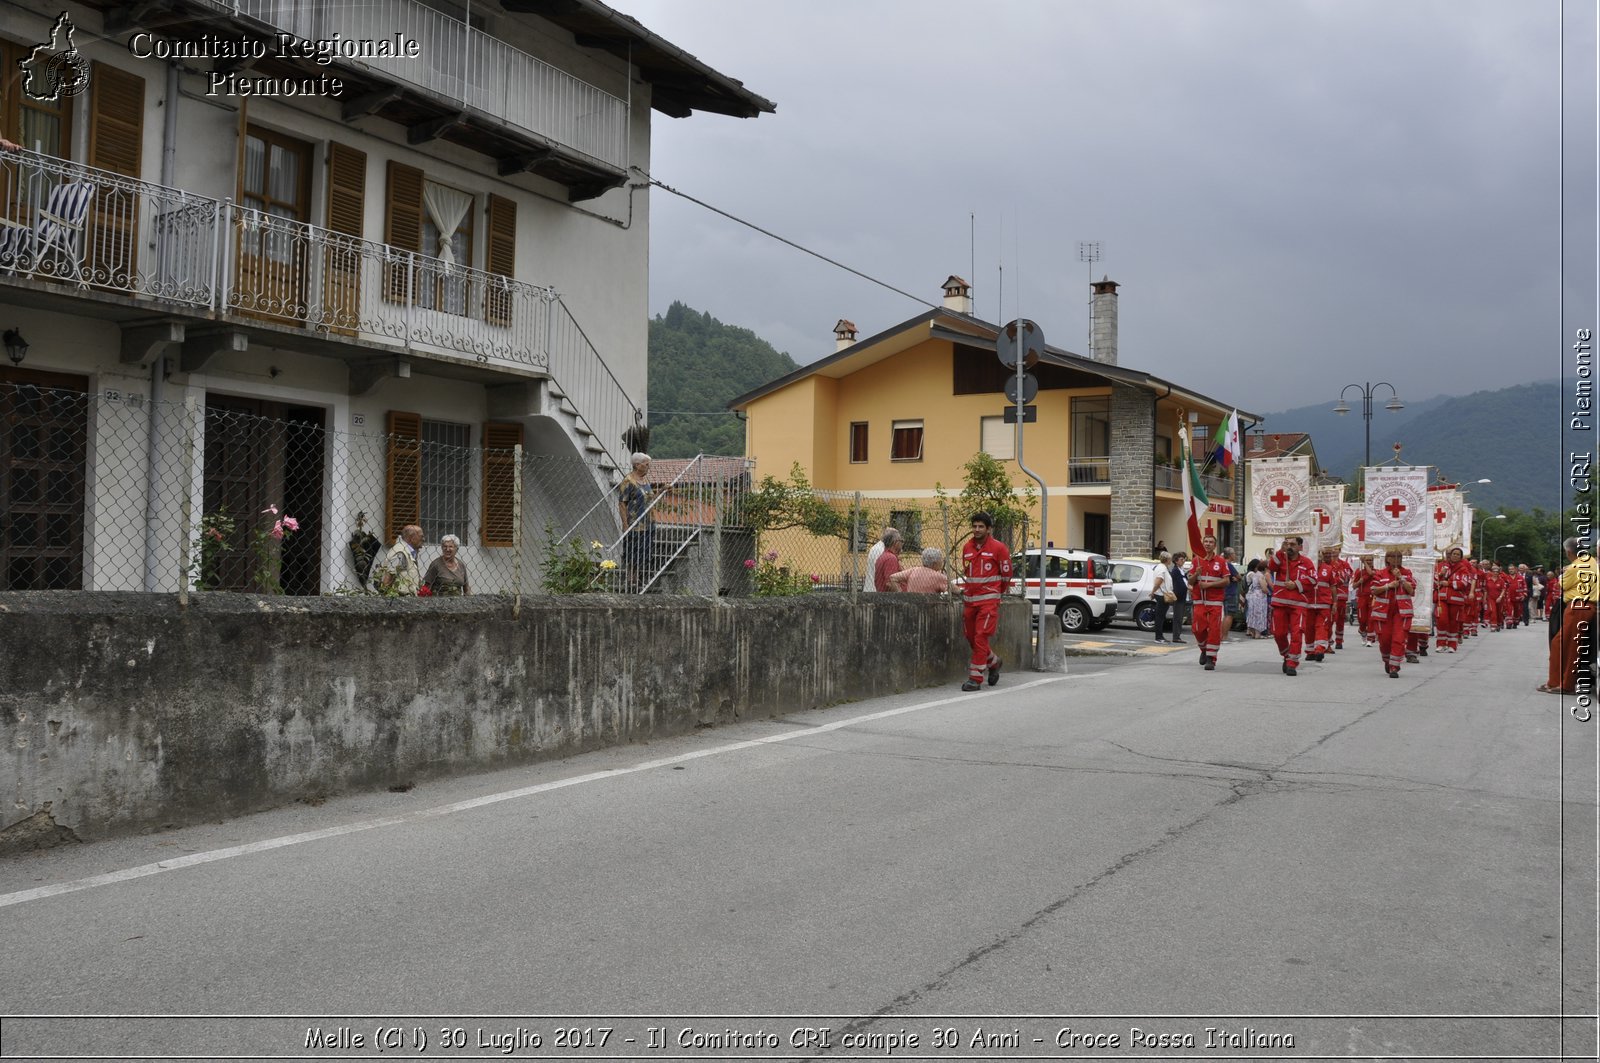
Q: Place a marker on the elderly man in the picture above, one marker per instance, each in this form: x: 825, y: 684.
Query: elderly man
x: 888, y: 562
x: 927, y: 579
x: 400, y: 573
x: 869, y: 577
x: 1580, y: 587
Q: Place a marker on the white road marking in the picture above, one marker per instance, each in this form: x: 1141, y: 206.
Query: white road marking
x: 178, y: 863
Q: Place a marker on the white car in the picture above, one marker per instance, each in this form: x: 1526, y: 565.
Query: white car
x: 1133, y: 581
x: 1077, y: 587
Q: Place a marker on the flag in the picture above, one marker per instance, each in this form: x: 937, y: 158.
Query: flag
x: 1397, y: 505
x: 1194, y: 495
x: 1280, y: 490
x: 1228, y: 451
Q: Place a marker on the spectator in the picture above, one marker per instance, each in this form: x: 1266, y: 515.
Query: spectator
x: 1257, y: 612
x: 1580, y: 588
x: 889, y: 561
x: 447, y: 576
x: 929, y: 578
x: 1180, y: 587
x: 869, y: 577
x: 1230, y: 605
x: 400, y: 574
x: 638, y: 525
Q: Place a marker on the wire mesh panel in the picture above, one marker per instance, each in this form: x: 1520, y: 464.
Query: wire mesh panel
x: 43, y: 452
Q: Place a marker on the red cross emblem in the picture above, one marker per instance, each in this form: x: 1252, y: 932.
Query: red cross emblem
x: 1395, y: 508
x: 1279, y: 497
x: 1360, y: 528
x: 1439, y: 515
x: 1323, y: 520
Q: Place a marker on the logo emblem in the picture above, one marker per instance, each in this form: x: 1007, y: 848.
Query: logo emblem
x: 55, y: 70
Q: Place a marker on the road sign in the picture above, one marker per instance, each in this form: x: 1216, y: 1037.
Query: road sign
x: 1030, y: 414
x: 1020, y: 335
x: 1030, y: 388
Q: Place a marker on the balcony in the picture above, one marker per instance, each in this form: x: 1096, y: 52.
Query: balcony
x: 1169, y: 479
x: 99, y: 234
x: 1088, y: 471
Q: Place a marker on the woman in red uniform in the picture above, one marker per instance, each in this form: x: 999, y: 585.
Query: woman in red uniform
x: 1392, y: 588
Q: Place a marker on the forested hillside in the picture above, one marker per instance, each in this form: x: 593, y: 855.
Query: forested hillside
x: 697, y: 364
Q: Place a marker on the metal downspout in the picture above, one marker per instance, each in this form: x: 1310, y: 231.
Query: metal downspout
x: 158, y: 375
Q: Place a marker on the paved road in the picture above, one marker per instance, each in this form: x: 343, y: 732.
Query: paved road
x: 1136, y: 838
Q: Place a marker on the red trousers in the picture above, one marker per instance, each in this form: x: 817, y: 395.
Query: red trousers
x: 1208, y: 625
x: 1577, y: 628
x: 1288, y: 628
x: 978, y: 622
x: 1447, y: 623
x: 1319, y: 627
x: 1341, y: 609
x: 1364, y: 615
x: 1392, y: 634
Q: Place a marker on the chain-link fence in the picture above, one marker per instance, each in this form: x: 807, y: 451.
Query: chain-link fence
x: 104, y: 492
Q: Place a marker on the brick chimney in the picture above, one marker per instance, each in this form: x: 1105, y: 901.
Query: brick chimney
x: 844, y: 335
x: 1103, y: 321
x: 957, y: 295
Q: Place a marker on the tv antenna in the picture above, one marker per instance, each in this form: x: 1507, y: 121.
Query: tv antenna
x: 1089, y: 251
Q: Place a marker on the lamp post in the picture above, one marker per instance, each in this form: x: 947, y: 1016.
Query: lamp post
x: 1481, y: 527
x: 16, y: 346
x: 1366, y: 390
x: 1497, y: 550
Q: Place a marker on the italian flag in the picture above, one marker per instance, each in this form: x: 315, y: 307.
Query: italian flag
x: 1194, y: 498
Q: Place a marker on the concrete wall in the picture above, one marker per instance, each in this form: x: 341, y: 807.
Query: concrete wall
x: 123, y: 711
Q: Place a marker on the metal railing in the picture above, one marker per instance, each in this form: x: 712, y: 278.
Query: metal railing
x: 98, y: 230
x: 1089, y: 470
x: 1169, y: 479
x: 461, y: 63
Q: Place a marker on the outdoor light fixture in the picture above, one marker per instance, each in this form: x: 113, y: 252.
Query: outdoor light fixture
x: 1366, y: 390
x: 1497, y: 550
x: 16, y: 346
x: 1481, y: 527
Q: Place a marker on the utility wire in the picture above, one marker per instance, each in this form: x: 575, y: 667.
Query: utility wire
x: 784, y: 240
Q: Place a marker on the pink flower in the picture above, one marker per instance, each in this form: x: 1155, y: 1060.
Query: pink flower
x: 749, y: 562
x: 815, y: 578
x: 271, y: 509
x: 290, y: 524
x: 771, y: 555
x: 217, y: 535
x: 277, y: 530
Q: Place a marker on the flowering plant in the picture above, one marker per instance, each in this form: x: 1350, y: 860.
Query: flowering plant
x: 569, y: 567
x: 218, y: 535
x: 776, y: 581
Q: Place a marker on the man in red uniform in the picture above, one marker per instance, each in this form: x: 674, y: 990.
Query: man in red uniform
x: 1208, y: 582
x: 1341, y: 597
x: 986, y: 566
x: 1361, y: 581
x: 1493, y: 590
x: 1319, y: 610
x: 1294, y: 580
x: 1392, y: 588
x: 1446, y: 621
x: 1462, y: 580
x: 1517, y: 585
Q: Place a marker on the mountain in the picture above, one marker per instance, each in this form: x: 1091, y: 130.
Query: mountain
x: 1511, y: 436
x: 697, y: 365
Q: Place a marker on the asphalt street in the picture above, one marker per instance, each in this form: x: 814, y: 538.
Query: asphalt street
x: 1373, y: 867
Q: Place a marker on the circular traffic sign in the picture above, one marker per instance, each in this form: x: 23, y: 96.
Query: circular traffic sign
x: 1019, y: 336
x: 1030, y: 389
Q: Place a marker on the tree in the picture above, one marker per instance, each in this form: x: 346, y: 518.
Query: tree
x: 987, y: 486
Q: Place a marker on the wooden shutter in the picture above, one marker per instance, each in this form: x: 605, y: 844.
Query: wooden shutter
x: 116, y: 143
x: 500, y: 257
x: 402, y: 226
x: 499, y: 483
x: 341, y: 274
x: 403, y: 488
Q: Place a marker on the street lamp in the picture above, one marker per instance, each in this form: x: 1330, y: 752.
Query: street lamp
x: 1485, y: 524
x: 1497, y: 550
x: 1366, y: 390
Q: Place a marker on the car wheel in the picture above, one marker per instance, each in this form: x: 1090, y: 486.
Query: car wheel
x: 1074, y: 616
x: 1144, y: 616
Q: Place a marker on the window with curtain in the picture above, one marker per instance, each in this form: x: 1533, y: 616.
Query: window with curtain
x: 447, y: 238
x: 276, y: 182
x: 44, y: 126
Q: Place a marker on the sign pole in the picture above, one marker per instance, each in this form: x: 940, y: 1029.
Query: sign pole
x: 1026, y: 339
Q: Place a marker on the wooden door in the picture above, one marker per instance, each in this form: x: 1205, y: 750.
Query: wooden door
x: 272, y: 244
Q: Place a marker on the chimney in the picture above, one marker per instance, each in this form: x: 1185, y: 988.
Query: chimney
x: 957, y: 295
x: 844, y: 335
x: 1103, y: 321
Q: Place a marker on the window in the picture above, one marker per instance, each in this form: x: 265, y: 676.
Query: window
x: 1163, y: 449
x: 38, y: 125
x: 44, y: 421
x: 909, y: 523
x: 1091, y: 426
x: 997, y: 439
x: 447, y: 237
x: 446, y: 479
x: 907, y: 443
x: 858, y: 442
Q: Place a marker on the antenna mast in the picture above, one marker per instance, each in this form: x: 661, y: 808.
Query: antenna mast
x: 1089, y: 251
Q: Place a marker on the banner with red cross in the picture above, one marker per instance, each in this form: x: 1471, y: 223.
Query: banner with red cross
x: 1327, y: 517
x: 1466, y: 530
x: 1422, y: 563
x: 1444, y: 513
x: 1354, y: 543
x: 1397, y: 508
x: 1280, y: 496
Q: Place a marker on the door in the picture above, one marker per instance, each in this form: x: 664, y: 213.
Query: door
x: 273, y: 242
x: 1097, y: 533
x: 44, y: 421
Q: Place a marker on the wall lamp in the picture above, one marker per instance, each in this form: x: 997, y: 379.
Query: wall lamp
x: 16, y: 346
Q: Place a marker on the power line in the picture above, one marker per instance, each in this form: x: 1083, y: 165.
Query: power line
x: 785, y: 240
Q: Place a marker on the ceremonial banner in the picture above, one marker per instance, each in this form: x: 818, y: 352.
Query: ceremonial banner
x: 1466, y: 529
x: 1355, y: 526
x: 1280, y: 496
x: 1397, y: 505
x: 1444, y: 510
x: 1421, y: 565
x: 1327, y: 514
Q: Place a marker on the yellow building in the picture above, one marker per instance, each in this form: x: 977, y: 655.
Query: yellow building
x: 899, y: 412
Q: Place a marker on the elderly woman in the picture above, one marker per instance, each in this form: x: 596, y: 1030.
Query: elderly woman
x: 633, y: 504
x: 929, y: 579
x: 447, y: 576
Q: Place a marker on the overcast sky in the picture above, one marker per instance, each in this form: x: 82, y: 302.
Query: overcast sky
x: 1293, y: 195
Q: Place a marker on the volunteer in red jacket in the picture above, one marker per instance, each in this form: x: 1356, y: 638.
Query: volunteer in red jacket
x: 1341, y: 597
x: 986, y: 569
x: 1209, y: 580
x: 1392, y: 588
x: 1446, y: 624
x: 1361, y: 581
x: 1293, y: 581
x: 1319, y: 611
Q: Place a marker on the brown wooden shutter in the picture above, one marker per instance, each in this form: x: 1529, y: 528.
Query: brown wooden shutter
x: 116, y: 143
x: 500, y: 257
x: 347, y: 201
x: 499, y: 483
x: 402, y: 226
x: 403, y: 490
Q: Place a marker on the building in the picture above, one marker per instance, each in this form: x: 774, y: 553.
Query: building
x: 340, y: 257
x: 898, y: 414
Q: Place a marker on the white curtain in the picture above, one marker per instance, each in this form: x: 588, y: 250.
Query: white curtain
x: 446, y: 208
